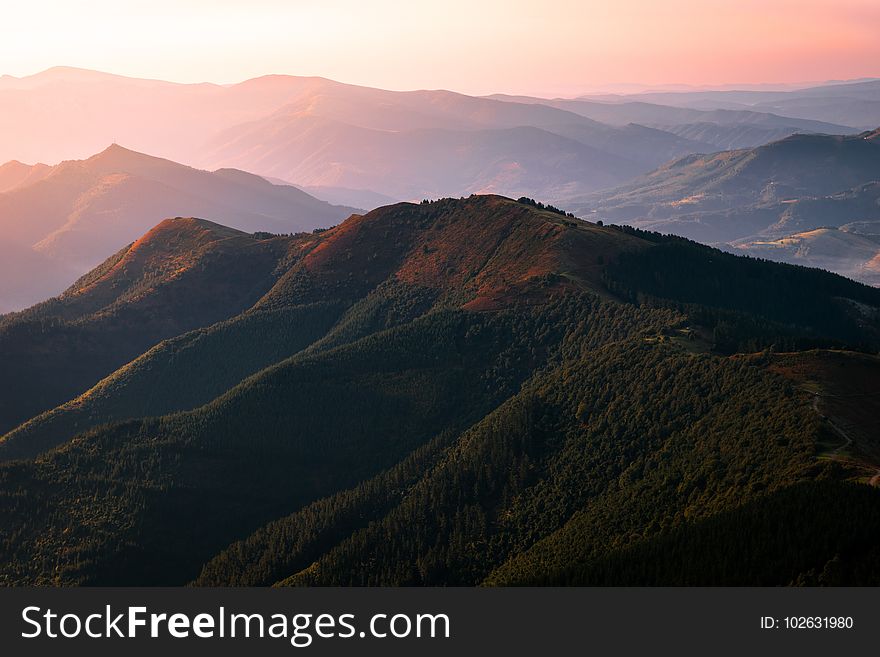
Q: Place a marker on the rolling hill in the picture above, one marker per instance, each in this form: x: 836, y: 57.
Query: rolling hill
x: 851, y: 254
x: 793, y: 185
x: 731, y: 137
x: 77, y: 212
x: 461, y: 391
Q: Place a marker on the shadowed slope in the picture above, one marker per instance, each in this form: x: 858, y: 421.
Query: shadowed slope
x: 480, y: 253
x: 486, y: 371
x: 183, y: 274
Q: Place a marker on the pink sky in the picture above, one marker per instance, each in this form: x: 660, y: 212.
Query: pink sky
x: 475, y: 46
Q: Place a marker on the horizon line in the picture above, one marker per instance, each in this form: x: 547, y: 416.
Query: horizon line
x: 602, y: 89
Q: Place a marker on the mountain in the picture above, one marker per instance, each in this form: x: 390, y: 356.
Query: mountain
x: 359, y: 198
x: 646, y: 147
x: 716, y: 129
x: 795, y: 184
x: 461, y: 391
x: 850, y: 103
x: 861, y: 203
x: 64, y: 113
x: 433, y: 143
x: 653, y: 114
x: 731, y: 137
x: 750, y: 94
x: 15, y: 174
x: 318, y: 133
x: 183, y: 274
x: 851, y: 254
x: 79, y: 211
x: 426, y: 163
x: 854, y: 111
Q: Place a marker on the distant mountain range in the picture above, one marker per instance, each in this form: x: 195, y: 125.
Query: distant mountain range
x: 719, y: 128
x: 378, y: 144
x: 724, y: 168
x: 456, y: 392
x: 16, y: 174
x: 852, y: 103
x: 59, y: 222
x: 767, y: 201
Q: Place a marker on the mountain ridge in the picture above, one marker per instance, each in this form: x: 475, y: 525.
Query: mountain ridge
x: 484, y: 372
x: 798, y: 183
x: 332, y: 130
x: 178, y: 277
x: 80, y: 210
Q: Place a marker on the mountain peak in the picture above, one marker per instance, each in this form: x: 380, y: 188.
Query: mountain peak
x: 167, y: 250
x: 117, y: 159
x: 181, y: 235
x: 57, y: 71
x: 115, y: 150
x: 488, y: 251
x: 192, y: 226
x: 114, y: 147
x: 15, y: 174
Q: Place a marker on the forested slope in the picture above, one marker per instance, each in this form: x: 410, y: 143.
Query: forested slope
x: 459, y: 392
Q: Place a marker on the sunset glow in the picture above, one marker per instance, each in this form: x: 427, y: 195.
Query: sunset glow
x: 560, y: 47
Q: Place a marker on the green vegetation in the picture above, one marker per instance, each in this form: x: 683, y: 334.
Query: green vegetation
x: 579, y: 463
x: 810, y: 534
x: 472, y: 391
x: 541, y: 206
x: 183, y: 275
x: 748, y: 303
x: 173, y: 376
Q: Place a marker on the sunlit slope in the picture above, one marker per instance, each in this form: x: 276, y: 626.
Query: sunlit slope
x: 183, y: 274
x: 80, y: 211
